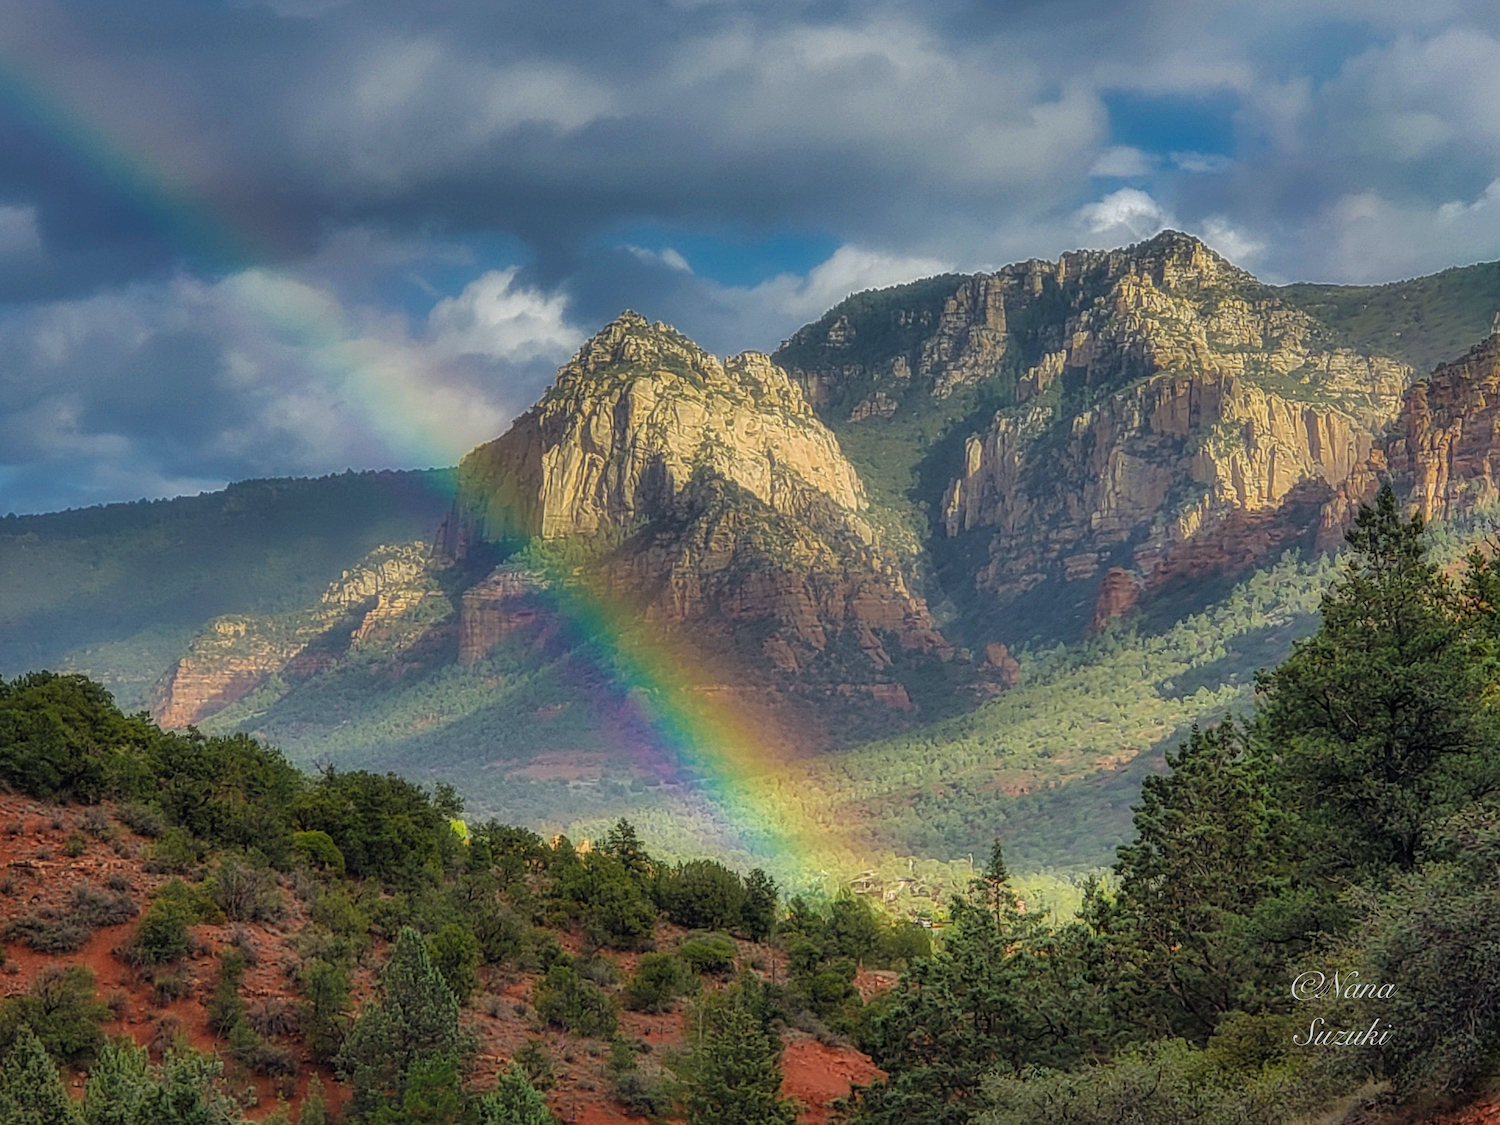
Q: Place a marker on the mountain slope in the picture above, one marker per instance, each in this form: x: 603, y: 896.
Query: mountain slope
x: 1130, y: 417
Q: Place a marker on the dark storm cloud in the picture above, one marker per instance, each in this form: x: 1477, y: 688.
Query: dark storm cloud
x: 222, y: 225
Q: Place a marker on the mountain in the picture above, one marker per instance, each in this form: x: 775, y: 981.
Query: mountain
x: 119, y: 591
x: 966, y: 552
x: 1141, y: 417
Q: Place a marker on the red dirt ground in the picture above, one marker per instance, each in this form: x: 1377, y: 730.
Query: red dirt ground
x: 36, y: 873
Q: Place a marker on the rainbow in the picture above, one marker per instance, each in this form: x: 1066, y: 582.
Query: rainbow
x: 740, y: 782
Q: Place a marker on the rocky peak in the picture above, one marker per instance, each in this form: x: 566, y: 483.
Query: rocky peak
x: 629, y: 422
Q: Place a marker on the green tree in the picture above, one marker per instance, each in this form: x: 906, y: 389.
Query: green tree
x: 702, y: 894
x: 31, y: 1091
x: 119, y: 1084
x: 1380, y: 721
x: 414, y: 1017
x: 1203, y: 860
x: 61, y: 1009
x: 514, y: 1101
x: 455, y: 954
x: 758, y: 914
x: 622, y: 843
x: 737, y: 1076
x: 433, y: 1095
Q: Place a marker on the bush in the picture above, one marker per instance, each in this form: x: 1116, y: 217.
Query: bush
x: 658, y: 981
x: 256, y: 1055
x: 713, y: 955
x: 62, y: 1010
x: 142, y: 820
x: 318, y: 850
x: 566, y: 1000
x: 47, y: 934
x: 245, y: 893
x: 1166, y: 1084
x: 455, y: 955
x: 271, y: 1017
x: 162, y: 936
x: 702, y: 894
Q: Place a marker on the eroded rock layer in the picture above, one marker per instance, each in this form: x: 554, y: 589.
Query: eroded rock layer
x: 1154, y: 399
x: 390, y: 602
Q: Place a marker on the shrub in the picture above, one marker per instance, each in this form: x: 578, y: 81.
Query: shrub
x: 162, y: 936
x: 566, y: 1000
x: 702, y: 894
x: 176, y: 852
x: 47, y: 934
x: 95, y: 908
x: 271, y: 1017
x: 62, y: 1010
x: 534, y: 1058
x: 319, y: 850
x: 256, y: 1055
x: 245, y: 893
x: 142, y: 820
x: 712, y: 955
x: 455, y: 954
x: 658, y: 981
x: 169, y: 986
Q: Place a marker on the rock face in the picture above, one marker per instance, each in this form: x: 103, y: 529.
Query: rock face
x: 389, y: 602
x: 1161, y: 410
x: 510, y: 601
x: 704, y: 498
x: 626, y: 426
x: 1446, y: 444
x: 1118, y: 594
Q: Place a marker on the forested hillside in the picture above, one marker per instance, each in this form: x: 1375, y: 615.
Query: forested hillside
x: 118, y: 590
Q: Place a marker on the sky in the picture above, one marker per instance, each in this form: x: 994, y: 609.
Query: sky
x: 289, y: 237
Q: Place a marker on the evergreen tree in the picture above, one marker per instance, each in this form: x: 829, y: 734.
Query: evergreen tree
x: 119, y: 1085
x: 738, y: 1079
x: 514, y: 1101
x: 758, y: 915
x: 1381, y: 720
x: 1202, y: 861
x: 31, y: 1091
x: 414, y: 1017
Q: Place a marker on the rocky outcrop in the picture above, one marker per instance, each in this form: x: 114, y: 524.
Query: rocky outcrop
x: 707, y: 498
x: 1160, y: 400
x: 638, y: 411
x: 389, y: 602
x: 510, y: 601
x: 1118, y: 594
x: 1445, y: 447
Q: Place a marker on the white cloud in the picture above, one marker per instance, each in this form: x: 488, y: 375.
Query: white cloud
x: 1127, y: 215
x: 1121, y: 161
x: 496, y: 318
x: 1240, y: 247
x: 667, y: 257
x: 850, y: 269
x: 1200, y: 163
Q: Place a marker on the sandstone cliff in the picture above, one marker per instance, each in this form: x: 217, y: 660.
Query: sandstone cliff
x: 638, y: 411
x: 707, y: 498
x: 1160, y: 410
x: 389, y: 602
x: 1445, y: 446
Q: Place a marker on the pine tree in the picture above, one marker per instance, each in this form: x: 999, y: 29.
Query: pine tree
x: 1381, y: 719
x: 514, y: 1101
x: 31, y: 1091
x: 738, y: 1078
x: 414, y: 1017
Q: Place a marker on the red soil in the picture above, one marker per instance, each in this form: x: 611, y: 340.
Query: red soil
x: 36, y: 874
